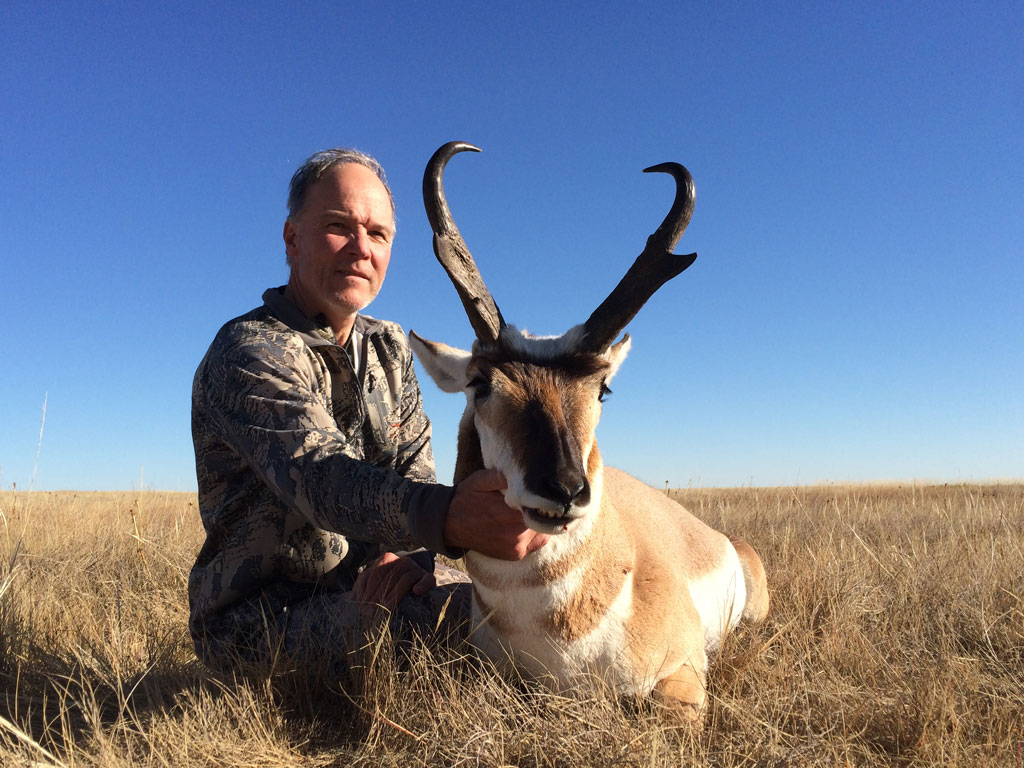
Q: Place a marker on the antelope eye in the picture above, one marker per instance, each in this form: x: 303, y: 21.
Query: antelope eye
x: 481, y: 387
x: 603, y: 393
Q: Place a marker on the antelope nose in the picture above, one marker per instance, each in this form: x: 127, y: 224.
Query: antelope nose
x: 560, y: 492
x: 580, y: 487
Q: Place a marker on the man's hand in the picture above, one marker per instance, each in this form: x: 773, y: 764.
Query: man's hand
x: 478, y: 519
x: 387, y: 580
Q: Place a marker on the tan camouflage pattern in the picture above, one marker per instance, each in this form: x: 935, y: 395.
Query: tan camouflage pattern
x: 326, y: 631
x: 304, y: 472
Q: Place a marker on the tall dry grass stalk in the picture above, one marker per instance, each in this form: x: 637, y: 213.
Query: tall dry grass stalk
x: 896, y: 638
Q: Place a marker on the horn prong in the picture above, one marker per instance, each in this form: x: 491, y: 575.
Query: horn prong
x: 654, y: 267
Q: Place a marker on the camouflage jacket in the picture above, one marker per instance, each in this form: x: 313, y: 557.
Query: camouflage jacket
x: 304, y: 472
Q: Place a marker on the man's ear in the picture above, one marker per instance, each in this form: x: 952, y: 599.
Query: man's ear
x: 288, y: 235
x: 446, y: 365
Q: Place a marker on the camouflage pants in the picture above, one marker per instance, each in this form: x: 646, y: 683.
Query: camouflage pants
x: 321, y: 631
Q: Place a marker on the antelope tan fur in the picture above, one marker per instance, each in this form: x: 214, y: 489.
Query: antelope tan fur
x: 631, y: 587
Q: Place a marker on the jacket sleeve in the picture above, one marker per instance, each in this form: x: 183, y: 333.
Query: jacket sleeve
x: 261, y: 396
x: 415, y: 461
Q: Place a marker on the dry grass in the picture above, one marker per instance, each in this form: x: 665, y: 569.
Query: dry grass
x: 896, y: 638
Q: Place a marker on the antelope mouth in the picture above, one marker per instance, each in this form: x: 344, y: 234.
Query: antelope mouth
x: 545, y: 521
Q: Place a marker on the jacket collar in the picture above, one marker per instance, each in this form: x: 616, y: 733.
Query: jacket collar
x: 317, y: 330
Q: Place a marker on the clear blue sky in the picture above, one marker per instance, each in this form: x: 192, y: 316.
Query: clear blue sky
x: 856, y: 313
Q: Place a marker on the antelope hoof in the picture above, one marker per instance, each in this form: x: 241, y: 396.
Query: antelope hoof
x: 682, y: 713
x: 682, y: 694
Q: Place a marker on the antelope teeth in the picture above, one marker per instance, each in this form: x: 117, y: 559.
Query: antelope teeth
x: 543, y: 513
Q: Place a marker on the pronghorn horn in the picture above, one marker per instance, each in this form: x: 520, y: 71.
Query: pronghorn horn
x: 651, y: 270
x: 451, y: 250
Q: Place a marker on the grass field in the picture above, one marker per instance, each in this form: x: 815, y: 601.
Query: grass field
x: 896, y: 637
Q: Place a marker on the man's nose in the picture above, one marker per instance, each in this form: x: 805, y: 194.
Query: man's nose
x: 359, y: 244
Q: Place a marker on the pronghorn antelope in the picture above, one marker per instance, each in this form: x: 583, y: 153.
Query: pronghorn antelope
x: 633, y: 587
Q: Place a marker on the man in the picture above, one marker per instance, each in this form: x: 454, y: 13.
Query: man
x: 313, y: 452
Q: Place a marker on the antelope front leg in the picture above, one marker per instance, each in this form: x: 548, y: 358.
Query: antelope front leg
x: 683, y: 693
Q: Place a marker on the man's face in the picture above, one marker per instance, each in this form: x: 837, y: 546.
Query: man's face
x: 339, y: 245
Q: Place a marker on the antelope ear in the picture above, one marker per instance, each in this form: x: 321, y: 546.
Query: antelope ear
x: 446, y: 365
x: 616, y: 354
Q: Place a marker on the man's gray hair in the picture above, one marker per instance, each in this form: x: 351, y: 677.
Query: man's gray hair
x: 310, y: 172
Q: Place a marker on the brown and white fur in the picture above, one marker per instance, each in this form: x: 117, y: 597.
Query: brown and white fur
x: 630, y: 586
x: 633, y: 586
